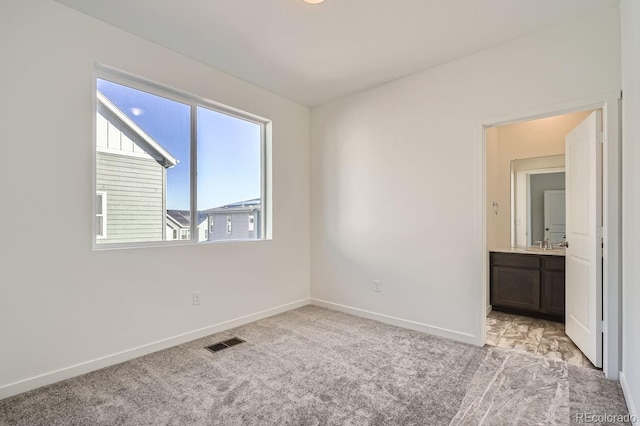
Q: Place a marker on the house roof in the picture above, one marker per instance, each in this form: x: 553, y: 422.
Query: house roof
x: 182, y: 218
x: 153, y: 148
x: 246, y: 205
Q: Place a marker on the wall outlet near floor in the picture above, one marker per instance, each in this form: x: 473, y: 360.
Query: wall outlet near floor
x: 196, y: 298
x: 377, y: 286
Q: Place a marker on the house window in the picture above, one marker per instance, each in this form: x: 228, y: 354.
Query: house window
x: 212, y: 224
x: 175, y: 234
x: 228, y: 224
x: 252, y: 223
x: 146, y: 137
x: 101, y: 215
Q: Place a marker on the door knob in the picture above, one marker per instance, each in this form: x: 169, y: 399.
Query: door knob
x: 566, y: 244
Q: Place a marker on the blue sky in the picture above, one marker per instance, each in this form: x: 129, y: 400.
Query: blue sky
x: 228, y: 147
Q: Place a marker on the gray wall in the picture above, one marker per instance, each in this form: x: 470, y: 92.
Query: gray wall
x: 539, y: 184
x: 239, y: 226
x: 135, y: 205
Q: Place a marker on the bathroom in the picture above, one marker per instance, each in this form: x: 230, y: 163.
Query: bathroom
x: 526, y: 236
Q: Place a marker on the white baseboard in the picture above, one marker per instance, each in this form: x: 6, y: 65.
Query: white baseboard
x: 116, y: 358
x: 630, y: 402
x: 387, y: 319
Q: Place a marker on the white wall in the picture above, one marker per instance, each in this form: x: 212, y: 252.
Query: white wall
x: 393, y: 173
x: 630, y: 376
x: 60, y: 305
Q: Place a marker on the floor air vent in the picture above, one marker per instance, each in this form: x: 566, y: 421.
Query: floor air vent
x: 224, y: 345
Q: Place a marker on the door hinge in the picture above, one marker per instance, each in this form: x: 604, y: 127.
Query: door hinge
x: 600, y: 328
x: 600, y: 137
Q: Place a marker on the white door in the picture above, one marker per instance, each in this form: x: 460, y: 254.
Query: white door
x: 554, y: 215
x: 583, y: 296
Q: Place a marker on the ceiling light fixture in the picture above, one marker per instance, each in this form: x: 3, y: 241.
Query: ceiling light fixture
x: 313, y: 1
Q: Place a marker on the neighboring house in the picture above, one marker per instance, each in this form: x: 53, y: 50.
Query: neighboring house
x: 131, y: 179
x: 236, y: 221
x: 179, y: 225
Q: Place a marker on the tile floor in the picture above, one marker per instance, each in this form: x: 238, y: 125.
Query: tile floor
x: 533, y: 335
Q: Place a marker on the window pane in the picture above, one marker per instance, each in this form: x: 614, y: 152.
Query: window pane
x: 143, y: 161
x: 99, y: 226
x: 98, y: 203
x: 229, y: 174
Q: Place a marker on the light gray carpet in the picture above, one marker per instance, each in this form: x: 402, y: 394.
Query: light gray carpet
x: 313, y: 366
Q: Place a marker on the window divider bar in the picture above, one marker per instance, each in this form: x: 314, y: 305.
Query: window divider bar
x: 194, y: 173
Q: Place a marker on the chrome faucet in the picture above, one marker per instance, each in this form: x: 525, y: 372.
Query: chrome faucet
x: 545, y: 244
x: 548, y: 245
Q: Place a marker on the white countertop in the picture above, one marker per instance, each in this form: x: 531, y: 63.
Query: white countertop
x: 531, y: 250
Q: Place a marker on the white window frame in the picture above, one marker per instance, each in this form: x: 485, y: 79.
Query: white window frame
x: 113, y: 75
x: 252, y: 222
x: 229, y: 224
x: 103, y: 234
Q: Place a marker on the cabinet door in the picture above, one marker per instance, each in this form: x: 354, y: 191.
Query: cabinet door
x: 553, y: 292
x: 516, y: 288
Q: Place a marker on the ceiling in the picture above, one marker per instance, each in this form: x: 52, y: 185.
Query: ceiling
x: 315, y: 53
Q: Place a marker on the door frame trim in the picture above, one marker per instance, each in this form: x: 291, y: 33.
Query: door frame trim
x: 611, y: 198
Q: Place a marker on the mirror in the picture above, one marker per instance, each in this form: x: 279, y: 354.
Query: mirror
x: 537, y: 200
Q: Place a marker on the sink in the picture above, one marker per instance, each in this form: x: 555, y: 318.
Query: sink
x: 556, y: 251
x: 543, y: 250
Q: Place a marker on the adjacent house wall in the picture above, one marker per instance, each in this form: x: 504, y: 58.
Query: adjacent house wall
x: 66, y: 309
x: 132, y: 185
x: 132, y: 180
x: 630, y: 376
x: 410, y: 146
x: 239, y: 225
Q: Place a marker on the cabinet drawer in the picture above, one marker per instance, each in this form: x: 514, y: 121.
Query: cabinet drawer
x: 518, y: 260
x: 554, y: 262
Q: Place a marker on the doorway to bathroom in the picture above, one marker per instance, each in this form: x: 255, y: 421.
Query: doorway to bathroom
x: 515, y: 152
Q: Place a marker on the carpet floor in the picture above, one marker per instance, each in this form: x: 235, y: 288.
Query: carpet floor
x: 314, y: 366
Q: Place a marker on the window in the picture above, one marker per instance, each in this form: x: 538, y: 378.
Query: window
x: 252, y: 223
x: 170, y: 159
x: 101, y: 214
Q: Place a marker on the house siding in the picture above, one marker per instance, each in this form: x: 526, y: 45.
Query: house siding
x: 134, y: 187
x: 239, y: 226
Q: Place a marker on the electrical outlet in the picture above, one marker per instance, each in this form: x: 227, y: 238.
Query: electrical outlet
x: 377, y: 286
x: 196, y: 298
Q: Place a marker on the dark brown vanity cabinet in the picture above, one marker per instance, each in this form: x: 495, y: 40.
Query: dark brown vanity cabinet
x: 528, y: 284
